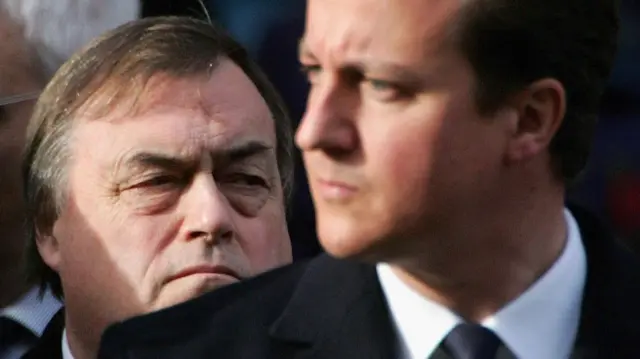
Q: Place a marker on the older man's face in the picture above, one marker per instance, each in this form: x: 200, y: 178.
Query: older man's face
x: 178, y: 199
x: 16, y: 78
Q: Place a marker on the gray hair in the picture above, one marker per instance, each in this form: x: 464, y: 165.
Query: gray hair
x: 114, y: 69
x: 56, y: 29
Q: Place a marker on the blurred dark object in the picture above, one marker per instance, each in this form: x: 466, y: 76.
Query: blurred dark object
x: 610, y: 185
x: 278, y: 56
x: 250, y: 21
x: 623, y: 202
x: 618, y: 103
x: 172, y: 7
x: 626, y: 74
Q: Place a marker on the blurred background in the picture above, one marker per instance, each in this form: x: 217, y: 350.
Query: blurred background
x: 610, y: 186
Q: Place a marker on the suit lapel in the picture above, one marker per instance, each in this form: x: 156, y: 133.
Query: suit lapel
x: 608, y: 324
x: 337, y: 311
x: 49, y: 345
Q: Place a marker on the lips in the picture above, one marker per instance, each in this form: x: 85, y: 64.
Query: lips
x: 337, y: 184
x: 204, y: 269
x: 335, y: 190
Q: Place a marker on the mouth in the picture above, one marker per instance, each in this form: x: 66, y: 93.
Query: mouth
x: 213, y: 270
x: 335, y: 190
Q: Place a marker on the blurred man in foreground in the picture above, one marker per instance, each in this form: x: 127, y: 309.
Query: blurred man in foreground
x: 439, y: 138
x: 36, y: 37
x: 157, y: 164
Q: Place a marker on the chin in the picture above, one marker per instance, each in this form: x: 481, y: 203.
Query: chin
x: 351, y: 240
x: 189, y: 288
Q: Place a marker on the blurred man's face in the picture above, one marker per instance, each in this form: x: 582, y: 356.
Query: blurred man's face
x: 392, y: 142
x: 62, y: 27
x: 59, y: 28
x: 16, y: 78
x: 180, y: 198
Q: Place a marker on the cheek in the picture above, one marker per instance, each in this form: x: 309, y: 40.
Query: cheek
x: 265, y: 240
x: 424, y: 155
x: 402, y: 150
x: 103, y: 276
x: 406, y: 172
x: 116, y: 239
x: 88, y: 265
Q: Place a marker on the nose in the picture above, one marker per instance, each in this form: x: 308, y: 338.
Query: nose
x: 328, y: 123
x: 206, y: 212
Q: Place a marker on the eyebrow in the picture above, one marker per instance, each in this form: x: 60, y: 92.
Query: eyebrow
x: 399, y: 72
x: 234, y: 153
x: 392, y: 70
x: 303, y: 50
x: 240, y: 151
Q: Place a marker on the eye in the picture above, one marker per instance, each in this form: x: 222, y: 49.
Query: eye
x: 386, y: 91
x: 310, y: 71
x: 154, y: 193
x: 157, y: 182
x: 248, y: 180
x: 247, y: 193
x: 380, y: 85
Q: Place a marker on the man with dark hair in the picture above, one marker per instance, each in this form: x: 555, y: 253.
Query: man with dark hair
x: 157, y: 166
x: 36, y: 37
x: 439, y: 138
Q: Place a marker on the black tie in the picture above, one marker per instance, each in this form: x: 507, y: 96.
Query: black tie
x: 472, y: 341
x: 12, y: 333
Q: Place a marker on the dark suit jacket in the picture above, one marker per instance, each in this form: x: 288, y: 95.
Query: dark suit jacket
x: 327, y: 308
x: 49, y: 346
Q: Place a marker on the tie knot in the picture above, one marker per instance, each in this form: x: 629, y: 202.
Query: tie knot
x: 472, y: 341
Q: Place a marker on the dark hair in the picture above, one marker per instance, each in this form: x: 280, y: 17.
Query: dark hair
x: 117, y: 66
x: 512, y: 43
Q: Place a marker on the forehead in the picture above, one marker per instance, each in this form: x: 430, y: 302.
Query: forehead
x: 402, y: 30
x: 189, y: 114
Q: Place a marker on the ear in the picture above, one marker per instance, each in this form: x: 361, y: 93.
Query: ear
x: 540, y: 110
x: 48, y: 246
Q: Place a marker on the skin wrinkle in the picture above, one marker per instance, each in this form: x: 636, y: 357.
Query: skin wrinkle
x: 110, y: 57
x: 151, y: 230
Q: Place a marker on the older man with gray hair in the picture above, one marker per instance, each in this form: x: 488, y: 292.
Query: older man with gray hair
x: 37, y: 37
x: 157, y: 165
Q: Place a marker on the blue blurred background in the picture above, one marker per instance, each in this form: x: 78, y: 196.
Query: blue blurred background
x: 610, y: 186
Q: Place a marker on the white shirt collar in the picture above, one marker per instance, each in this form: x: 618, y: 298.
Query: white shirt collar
x: 31, y: 311
x: 66, y: 352
x: 541, y: 323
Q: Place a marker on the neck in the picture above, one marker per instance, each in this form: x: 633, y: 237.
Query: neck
x: 83, y: 344
x: 488, y: 263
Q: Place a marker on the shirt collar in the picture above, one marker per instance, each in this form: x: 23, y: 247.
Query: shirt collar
x: 66, y: 352
x: 33, y: 312
x: 421, y: 324
x: 541, y: 323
